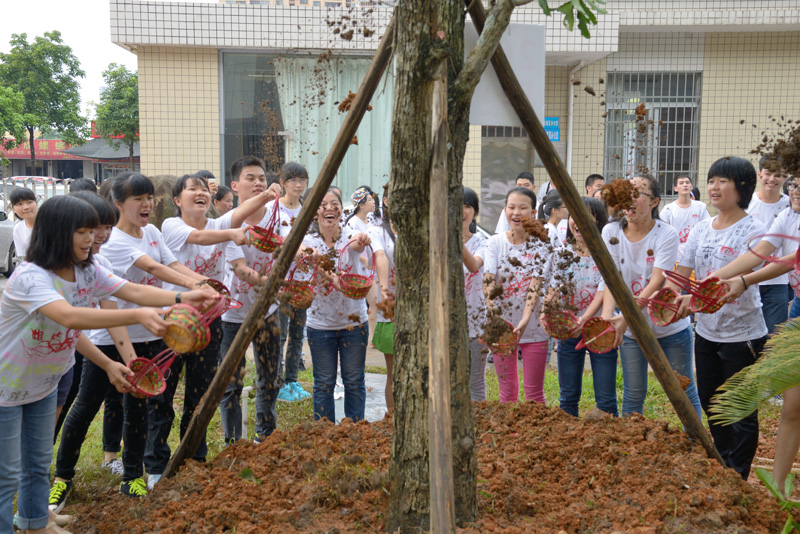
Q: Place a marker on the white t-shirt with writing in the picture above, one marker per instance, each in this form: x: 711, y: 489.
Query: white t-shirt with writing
x: 766, y: 214
x: 636, y: 261
x: 684, y: 219
x: 259, y: 261
x: 786, y: 223
x: 473, y: 288
x: 22, y: 238
x: 205, y: 260
x: 331, y: 310
x: 708, y: 250
x: 555, y: 235
x: 381, y: 240
x: 513, y: 267
x: 585, y: 278
x: 36, y: 351
x: 122, y: 250
x: 95, y: 335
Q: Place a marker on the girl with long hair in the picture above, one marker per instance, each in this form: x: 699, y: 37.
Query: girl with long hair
x: 516, y: 264
x: 337, y: 325
x: 44, y: 307
x: 584, y: 280
x: 643, y: 247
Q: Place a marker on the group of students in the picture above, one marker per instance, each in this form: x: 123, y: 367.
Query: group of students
x: 96, y: 263
x: 522, y: 272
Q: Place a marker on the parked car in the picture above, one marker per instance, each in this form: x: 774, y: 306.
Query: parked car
x: 7, y: 250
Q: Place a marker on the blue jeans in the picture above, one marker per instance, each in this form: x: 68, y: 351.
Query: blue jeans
x: 328, y: 347
x: 570, y: 377
x: 774, y: 305
x: 678, y: 350
x: 292, y: 329
x: 795, y: 311
x: 267, y: 353
x: 26, y: 449
x: 477, y: 370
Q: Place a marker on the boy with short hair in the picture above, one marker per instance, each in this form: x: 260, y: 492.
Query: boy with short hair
x: 594, y: 182
x: 765, y: 206
x: 23, y: 202
x: 684, y: 213
x: 248, y: 269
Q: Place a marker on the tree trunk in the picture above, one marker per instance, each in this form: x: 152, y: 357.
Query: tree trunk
x: 33, y: 151
x: 130, y: 154
x: 419, y: 49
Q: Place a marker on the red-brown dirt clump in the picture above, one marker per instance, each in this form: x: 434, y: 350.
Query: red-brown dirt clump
x: 619, y: 194
x: 540, y: 470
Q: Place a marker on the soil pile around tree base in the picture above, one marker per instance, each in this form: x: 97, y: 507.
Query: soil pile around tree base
x: 540, y: 470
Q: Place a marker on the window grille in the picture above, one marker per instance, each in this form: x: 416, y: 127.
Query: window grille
x: 653, y: 125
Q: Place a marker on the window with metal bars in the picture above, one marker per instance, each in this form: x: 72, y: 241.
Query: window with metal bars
x: 652, y: 125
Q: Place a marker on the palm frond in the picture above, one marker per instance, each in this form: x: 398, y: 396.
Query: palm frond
x: 777, y: 370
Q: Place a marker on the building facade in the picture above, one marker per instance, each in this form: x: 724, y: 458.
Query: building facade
x: 666, y: 86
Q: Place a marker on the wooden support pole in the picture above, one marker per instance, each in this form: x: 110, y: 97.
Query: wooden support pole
x: 558, y: 175
x: 205, y: 411
x: 442, y: 499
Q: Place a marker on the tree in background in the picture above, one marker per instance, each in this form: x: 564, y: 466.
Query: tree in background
x: 429, y: 32
x: 118, y: 111
x: 46, y: 73
x: 12, y: 105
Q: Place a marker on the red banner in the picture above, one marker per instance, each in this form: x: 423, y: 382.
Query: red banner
x: 45, y: 149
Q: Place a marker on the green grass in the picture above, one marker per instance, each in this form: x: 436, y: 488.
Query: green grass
x: 90, y: 478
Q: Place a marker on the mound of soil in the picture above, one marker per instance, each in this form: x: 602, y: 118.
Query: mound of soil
x: 540, y: 470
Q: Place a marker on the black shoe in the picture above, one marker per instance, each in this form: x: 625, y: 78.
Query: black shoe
x: 134, y: 488
x: 58, y: 495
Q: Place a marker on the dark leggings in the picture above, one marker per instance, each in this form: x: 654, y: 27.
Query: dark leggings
x: 92, y: 392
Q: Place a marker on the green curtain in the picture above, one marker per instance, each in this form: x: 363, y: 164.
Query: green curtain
x: 310, y: 90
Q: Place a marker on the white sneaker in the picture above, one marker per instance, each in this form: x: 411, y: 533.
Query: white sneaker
x: 114, y: 466
x: 152, y: 480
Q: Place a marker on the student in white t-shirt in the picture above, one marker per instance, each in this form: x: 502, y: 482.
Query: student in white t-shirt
x: 248, y: 268
x: 643, y: 247
x: 684, y: 213
x: 524, y: 179
x: 554, y: 212
x: 472, y: 253
x: 519, y: 264
x: 337, y: 325
x: 786, y: 224
x: 382, y: 241
x: 294, y: 180
x: 45, y: 305
x: 765, y: 206
x: 23, y: 202
x: 137, y: 251
x: 584, y: 280
x: 732, y: 338
x: 199, y: 243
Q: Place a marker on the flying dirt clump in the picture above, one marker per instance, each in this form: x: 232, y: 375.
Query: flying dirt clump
x: 619, y: 194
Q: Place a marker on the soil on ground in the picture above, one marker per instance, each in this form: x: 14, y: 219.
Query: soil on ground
x: 540, y: 470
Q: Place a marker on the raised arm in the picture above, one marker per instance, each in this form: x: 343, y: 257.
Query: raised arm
x: 64, y: 314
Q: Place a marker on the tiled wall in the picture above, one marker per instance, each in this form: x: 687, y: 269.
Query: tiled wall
x: 179, y: 110
x: 556, y: 104
x: 747, y: 77
x: 472, y: 159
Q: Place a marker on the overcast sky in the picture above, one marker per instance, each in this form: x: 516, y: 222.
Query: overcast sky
x: 84, y: 26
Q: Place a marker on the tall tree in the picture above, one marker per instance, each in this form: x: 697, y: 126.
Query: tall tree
x: 46, y: 73
x: 428, y: 32
x: 118, y: 111
x: 12, y: 104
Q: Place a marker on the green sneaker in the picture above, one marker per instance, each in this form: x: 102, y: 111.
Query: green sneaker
x: 134, y: 488
x: 58, y: 495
